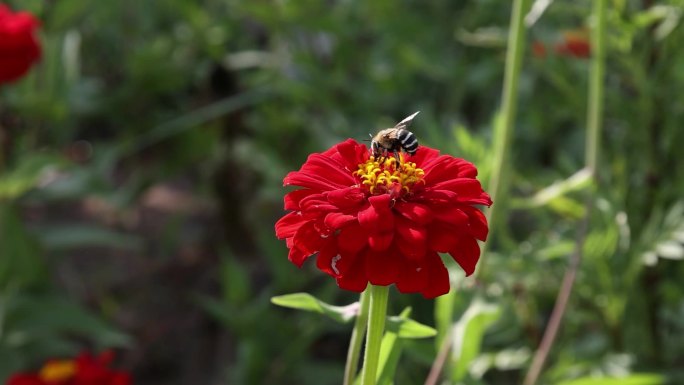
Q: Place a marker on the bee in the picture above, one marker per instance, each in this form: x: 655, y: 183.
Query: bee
x: 393, y: 140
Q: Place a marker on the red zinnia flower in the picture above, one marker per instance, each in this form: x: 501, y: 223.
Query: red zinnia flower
x: 19, y: 47
x: 371, y: 220
x: 84, y: 370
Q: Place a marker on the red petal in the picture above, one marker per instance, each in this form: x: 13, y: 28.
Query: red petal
x: 466, y: 170
x: 293, y: 198
x: 298, y: 178
x: 438, y: 277
x: 352, y: 238
x: 288, y: 225
x: 325, y: 257
x: 447, y: 167
x: 382, y: 268
x: 338, y: 220
x: 24, y: 379
x: 412, y: 278
x: 423, y: 156
x: 380, y: 241
x: 348, y: 198
x: 414, y: 211
x: 478, y: 223
x: 466, y: 253
x: 411, y: 239
x: 481, y: 199
x: 461, y: 186
x: 307, y: 239
x: 451, y: 214
x: 377, y: 217
x: 354, y: 277
x: 106, y: 357
x: 351, y: 153
x: 120, y: 378
x: 316, y: 203
x: 437, y: 197
x: 328, y: 169
x: 442, y: 237
x: 297, y: 256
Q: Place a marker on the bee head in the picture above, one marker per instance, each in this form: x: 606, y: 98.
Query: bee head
x: 375, y: 147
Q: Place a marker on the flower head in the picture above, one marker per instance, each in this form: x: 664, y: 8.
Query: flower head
x: 83, y: 370
x: 384, y: 221
x: 19, y: 47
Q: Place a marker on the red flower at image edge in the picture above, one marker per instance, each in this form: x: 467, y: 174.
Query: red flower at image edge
x: 84, y: 370
x: 371, y: 220
x: 19, y: 47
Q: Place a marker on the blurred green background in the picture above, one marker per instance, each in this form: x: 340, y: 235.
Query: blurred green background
x: 142, y: 166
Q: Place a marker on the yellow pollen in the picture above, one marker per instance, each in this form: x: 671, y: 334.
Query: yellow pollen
x: 57, y: 371
x: 381, y: 174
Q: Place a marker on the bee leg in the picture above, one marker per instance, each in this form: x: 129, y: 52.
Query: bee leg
x: 396, y: 156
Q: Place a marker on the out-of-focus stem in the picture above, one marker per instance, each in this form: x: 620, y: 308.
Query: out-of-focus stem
x: 594, y: 123
x: 356, y: 340
x: 505, y: 120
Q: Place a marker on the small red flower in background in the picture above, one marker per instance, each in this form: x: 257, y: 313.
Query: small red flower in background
x: 371, y: 220
x: 84, y: 370
x: 575, y: 43
x: 19, y: 47
x: 538, y: 49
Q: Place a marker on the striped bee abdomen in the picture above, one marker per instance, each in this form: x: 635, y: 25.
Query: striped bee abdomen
x: 408, y: 141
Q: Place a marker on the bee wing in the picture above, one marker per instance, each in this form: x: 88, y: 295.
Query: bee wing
x: 404, y: 123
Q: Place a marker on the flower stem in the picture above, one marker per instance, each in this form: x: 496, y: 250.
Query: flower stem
x: 356, y: 339
x: 596, y: 87
x: 503, y: 124
x: 376, y: 327
x: 594, y: 122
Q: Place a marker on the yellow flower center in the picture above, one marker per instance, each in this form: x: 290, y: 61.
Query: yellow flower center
x: 57, y: 371
x: 382, y: 175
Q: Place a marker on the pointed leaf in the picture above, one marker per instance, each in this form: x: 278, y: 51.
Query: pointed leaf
x: 408, y: 328
x: 307, y: 302
x: 468, y: 334
x: 390, y: 350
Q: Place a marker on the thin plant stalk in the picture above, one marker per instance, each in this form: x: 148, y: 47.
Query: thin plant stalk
x: 505, y: 120
x: 376, y: 328
x: 594, y: 123
x: 356, y: 340
x: 503, y: 137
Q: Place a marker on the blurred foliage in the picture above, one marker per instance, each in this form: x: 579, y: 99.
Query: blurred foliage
x: 227, y: 96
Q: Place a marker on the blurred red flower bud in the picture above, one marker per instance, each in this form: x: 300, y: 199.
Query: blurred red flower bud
x: 19, y: 47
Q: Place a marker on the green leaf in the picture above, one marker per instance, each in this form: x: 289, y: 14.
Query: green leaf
x: 307, y: 302
x: 468, y: 334
x: 444, y: 313
x: 234, y: 280
x: 408, y: 328
x: 635, y: 379
x: 21, y: 263
x: 34, y: 317
x: 554, y: 195
x: 390, y: 350
x: 29, y: 173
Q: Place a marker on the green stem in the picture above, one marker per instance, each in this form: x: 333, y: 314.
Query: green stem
x: 356, y: 339
x: 504, y: 122
x: 594, y: 120
x: 596, y: 87
x: 376, y: 327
